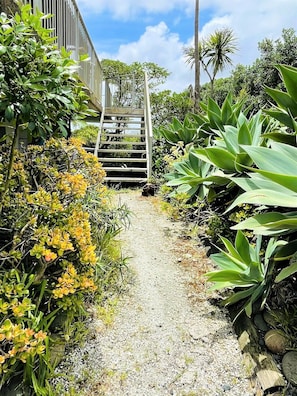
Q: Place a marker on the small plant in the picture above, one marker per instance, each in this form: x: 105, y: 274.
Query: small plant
x: 88, y: 135
x: 243, y: 268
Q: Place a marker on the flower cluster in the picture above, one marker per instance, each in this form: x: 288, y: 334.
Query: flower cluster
x: 73, y: 184
x: 51, y: 243
x: 48, y: 201
x: 55, y: 211
x: 18, y: 343
x: 80, y: 230
x: 70, y: 282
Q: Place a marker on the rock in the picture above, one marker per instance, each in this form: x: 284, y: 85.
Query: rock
x: 276, y: 341
x: 289, y: 364
x: 260, y: 323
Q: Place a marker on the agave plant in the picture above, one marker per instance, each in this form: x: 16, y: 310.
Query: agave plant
x: 226, y: 152
x: 194, y: 176
x: 242, y: 267
x: 274, y: 184
x: 286, y: 109
x: 178, y: 131
x: 197, y: 127
x: 216, y: 118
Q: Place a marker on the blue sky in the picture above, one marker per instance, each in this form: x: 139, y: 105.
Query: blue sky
x: 157, y: 30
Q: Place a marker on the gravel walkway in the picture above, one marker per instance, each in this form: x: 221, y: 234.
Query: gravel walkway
x: 162, y: 342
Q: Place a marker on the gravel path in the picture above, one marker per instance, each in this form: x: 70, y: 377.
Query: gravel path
x: 162, y: 342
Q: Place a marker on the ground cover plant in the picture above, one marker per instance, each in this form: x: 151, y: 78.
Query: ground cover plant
x: 57, y: 227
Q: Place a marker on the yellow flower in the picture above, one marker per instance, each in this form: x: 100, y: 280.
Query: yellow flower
x: 2, y: 359
x: 40, y: 335
x: 49, y: 255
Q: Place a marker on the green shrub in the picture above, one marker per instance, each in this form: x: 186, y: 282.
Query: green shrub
x: 56, y: 227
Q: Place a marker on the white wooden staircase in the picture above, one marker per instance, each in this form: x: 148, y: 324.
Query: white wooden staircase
x: 124, y: 143
x: 122, y: 150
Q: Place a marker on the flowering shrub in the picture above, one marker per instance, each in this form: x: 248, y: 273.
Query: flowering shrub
x: 50, y: 252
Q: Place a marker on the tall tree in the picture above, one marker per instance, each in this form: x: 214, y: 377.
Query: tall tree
x: 214, y: 53
x: 197, y: 59
x: 127, y: 80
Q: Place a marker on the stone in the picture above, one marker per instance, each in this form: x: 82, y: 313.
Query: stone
x: 276, y: 341
x: 289, y: 365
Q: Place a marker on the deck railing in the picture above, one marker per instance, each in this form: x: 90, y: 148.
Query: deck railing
x: 148, y: 127
x: 71, y: 33
x: 125, y: 91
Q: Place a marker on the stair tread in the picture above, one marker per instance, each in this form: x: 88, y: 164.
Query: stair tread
x: 122, y: 160
x: 128, y: 119
x: 121, y: 142
x: 130, y: 151
x: 123, y: 110
x: 123, y: 169
x: 126, y: 179
x: 127, y: 128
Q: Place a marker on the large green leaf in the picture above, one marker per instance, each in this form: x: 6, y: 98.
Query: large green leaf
x: 224, y: 262
x: 257, y: 181
x: 286, y: 272
x: 218, y: 157
x: 283, y: 99
x: 282, y: 116
x: 289, y: 75
x: 270, y: 160
x: 281, y: 137
x: 266, y: 197
x: 278, y: 163
x: 272, y: 223
x: 237, y: 278
x: 243, y: 247
x: 244, y: 135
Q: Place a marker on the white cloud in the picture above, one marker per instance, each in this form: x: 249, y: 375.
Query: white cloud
x: 129, y: 8
x: 251, y: 21
x: 162, y: 47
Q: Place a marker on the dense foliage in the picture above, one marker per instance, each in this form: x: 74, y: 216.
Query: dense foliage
x: 239, y: 170
x: 57, y: 227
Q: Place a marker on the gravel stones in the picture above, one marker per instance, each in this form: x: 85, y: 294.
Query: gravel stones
x: 161, y: 343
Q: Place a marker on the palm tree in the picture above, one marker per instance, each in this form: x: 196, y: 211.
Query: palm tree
x: 197, y: 60
x: 214, y: 53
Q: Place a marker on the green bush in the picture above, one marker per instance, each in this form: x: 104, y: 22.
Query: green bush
x: 56, y: 225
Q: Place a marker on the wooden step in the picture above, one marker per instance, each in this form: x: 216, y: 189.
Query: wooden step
x: 121, y: 160
x: 124, y: 169
x: 121, y: 142
x: 124, y: 135
x: 113, y: 111
x: 123, y: 121
x: 122, y: 128
x: 128, y: 151
x: 126, y: 179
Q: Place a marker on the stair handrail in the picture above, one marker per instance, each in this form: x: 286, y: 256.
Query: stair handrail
x: 99, y: 134
x: 148, y: 127
x: 108, y: 99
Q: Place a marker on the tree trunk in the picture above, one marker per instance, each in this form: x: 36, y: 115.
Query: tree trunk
x: 8, y: 6
x: 197, y: 59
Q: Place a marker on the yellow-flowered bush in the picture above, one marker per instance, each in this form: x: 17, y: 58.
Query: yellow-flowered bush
x: 54, y: 217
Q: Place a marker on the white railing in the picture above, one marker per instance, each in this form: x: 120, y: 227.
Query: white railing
x: 124, y: 91
x: 148, y: 127
x: 71, y: 33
